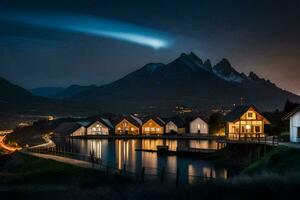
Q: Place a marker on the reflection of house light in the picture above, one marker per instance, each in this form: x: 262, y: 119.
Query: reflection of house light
x: 248, y: 126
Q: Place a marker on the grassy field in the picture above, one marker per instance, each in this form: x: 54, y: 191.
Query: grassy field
x: 26, y: 177
x: 281, y: 160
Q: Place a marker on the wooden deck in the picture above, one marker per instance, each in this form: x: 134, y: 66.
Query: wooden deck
x: 183, y: 151
x: 272, y: 140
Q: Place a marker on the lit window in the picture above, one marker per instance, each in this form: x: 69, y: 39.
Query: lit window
x: 147, y: 129
x: 250, y: 114
x: 157, y: 129
x: 119, y: 128
x: 132, y: 129
x: 198, y: 126
x: 152, y: 129
x: 97, y: 125
x: 94, y: 129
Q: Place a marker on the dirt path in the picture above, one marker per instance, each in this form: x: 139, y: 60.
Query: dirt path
x: 290, y: 144
x: 78, y: 163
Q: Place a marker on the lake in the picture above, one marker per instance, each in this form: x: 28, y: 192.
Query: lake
x: 120, y: 152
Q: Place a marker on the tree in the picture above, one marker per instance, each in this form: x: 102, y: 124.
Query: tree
x: 289, y: 106
x: 216, y: 123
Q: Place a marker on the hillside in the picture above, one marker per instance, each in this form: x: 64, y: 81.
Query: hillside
x: 187, y: 81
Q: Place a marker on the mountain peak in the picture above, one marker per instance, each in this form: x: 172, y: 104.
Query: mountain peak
x: 253, y: 76
x: 194, y: 62
x: 207, y: 65
x: 224, y: 70
x: 195, y: 58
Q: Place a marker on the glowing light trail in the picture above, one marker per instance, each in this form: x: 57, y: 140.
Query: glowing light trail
x: 93, y: 26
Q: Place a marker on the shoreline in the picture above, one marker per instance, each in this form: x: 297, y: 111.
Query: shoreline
x: 171, y: 137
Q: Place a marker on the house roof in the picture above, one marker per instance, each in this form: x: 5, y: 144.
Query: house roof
x: 66, y: 128
x: 156, y: 119
x: 180, y: 123
x: 194, y: 118
x: 290, y: 114
x: 238, y: 111
x: 130, y: 118
x: 104, y: 121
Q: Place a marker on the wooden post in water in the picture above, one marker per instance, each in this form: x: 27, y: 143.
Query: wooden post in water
x: 177, y: 177
x: 162, y: 174
x: 107, y: 170
x: 143, y: 174
x: 124, y: 169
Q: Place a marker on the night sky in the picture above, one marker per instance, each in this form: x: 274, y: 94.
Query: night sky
x: 63, y: 42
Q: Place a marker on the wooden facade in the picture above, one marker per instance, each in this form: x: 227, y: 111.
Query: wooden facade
x: 198, y: 126
x: 126, y: 126
x: 172, y: 127
x: 153, y: 127
x: 97, y: 128
x: 245, y: 121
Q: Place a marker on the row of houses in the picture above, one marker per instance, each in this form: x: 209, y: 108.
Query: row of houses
x: 132, y: 125
x: 243, y: 121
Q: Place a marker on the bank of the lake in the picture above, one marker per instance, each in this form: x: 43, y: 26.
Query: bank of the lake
x: 281, y: 160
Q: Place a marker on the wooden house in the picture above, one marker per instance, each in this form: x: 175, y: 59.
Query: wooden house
x: 199, y: 126
x: 174, y: 125
x: 153, y: 126
x: 294, y: 117
x: 128, y: 125
x: 101, y: 126
x: 69, y: 129
x: 245, y: 121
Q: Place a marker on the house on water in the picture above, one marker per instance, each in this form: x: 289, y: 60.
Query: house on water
x: 199, y: 126
x: 245, y: 121
x: 128, y: 125
x: 294, y: 117
x: 153, y: 126
x: 174, y: 125
x: 101, y: 126
x: 69, y: 129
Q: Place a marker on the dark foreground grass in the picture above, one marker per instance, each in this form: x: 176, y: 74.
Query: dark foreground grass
x: 26, y: 177
x: 281, y: 160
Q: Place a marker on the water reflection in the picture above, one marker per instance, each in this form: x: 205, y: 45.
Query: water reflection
x: 119, y: 153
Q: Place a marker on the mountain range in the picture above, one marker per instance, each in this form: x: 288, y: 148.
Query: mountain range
x: 188, y: 81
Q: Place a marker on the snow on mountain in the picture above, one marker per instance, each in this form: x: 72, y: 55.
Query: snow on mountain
x: 194, y: 62
x: 225, y: 71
